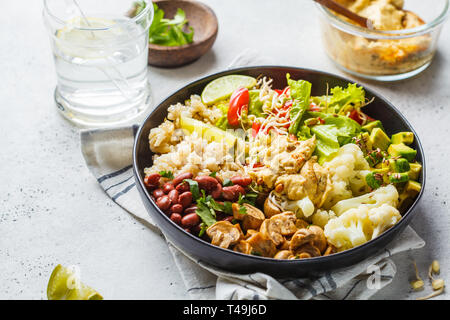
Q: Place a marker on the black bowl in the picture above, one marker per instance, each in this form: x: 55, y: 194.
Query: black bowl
x: 379, y: 109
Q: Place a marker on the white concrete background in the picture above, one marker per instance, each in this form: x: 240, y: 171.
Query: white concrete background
x: 52, y: 210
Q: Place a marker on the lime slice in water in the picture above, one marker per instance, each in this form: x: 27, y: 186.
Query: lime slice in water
x: 64, y: 284
x: 88, y: 38
x: 221, y: 88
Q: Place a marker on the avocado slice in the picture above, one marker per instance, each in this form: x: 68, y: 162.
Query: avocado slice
x: 379, y: 139
x: 371, y: 125
x: 402, y: 150
x: 414, y: 171
x: 403, y: 137
x: 411, y: 190
x: 399, y: 177
x: 399, y: 165
x: 374, y: 179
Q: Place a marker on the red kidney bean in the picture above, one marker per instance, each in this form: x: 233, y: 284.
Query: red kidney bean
x: 206, y: 182
x: 176, y: 208
x: 196, y: 229
x: 182, y: 187
x: 232, y: 193
x: 176, y: 217
x: 190, y: 209
x: 185, y: 199
x: 167, y: 187
x: 188, y: 230
x: 152, y: 179
x: 228, y: 218
x: 179, y: 178
x: 217, y: 192
x: 152, y: 187
x: 242, y: 181
x: 173, y: 196
x: 163, y: 203
x: 158, y: 193
x: 190, y: 220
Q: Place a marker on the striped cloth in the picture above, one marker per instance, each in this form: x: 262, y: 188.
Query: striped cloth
x: 108, y: 155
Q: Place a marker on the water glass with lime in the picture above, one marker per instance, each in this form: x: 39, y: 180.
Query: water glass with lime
x: 100, y: 50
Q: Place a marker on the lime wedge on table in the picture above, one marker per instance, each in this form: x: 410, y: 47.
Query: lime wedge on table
x: 221, y: 88
x: 64, y: 285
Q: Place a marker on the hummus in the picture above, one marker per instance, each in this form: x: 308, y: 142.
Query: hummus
x: 379, y: 56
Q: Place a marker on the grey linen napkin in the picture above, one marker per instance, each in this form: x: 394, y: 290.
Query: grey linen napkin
x: 108, y: 155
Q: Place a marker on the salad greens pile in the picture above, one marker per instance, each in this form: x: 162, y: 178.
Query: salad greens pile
x: 325, y: 116
x: 167, y: 32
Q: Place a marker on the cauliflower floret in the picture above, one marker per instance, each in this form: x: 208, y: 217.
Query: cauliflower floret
x: 383, y: 218
x: 348, y: 170
x: 322, y: 217
x: 387, y: 195
x: 363, y: 218
x: 349, y: 230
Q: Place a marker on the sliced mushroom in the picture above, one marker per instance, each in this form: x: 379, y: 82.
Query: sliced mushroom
x: 283, y: 254
x: 320, y: 241
x: 261, y: 245
x: 300, y: 224
x: 271, y: 230
x: 307, y: 251
x: 300, y: 238
x: 243, y: 246
x: 250, y: 233
x: 286, y: 221
x: 285, y: 245
x: 279, y: 225
x: 224, y: 234
x: 270, y: 208
x: 251, y: 217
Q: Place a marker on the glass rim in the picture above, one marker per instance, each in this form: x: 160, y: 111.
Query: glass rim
x: 148, y: 8
x: 385, y: 34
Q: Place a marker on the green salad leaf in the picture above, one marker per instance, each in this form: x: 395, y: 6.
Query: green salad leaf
x: 169, y: 32
x: 334, y: 132
x: 300, y: 94
x: 255, y: 105
x: 195, y: 190
x: 340, y: 99
x: 167, y: 174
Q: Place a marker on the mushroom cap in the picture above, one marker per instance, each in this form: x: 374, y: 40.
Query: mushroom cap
x: 286, y: 221
x: 270, y: 208
x: 251, y: 219
x: 300, y: 238
x: 243, y: 247
x: 224, y: 234
x: 307, y: 251
x: 270, y: 229
x: 283, y: 254
x: 320, y: 241
x: 261, y: 245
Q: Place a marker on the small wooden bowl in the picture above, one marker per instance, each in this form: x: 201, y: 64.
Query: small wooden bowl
x: 201, y: 18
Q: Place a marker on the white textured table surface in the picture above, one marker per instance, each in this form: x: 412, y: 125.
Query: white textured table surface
x: 52, y: 210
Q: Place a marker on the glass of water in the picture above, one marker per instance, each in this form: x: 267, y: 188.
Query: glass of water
x: 100, y: 50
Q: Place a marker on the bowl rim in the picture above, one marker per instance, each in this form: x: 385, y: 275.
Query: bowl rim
x: 208, y: 37
x: 385, y: 34
x: 336, y: 256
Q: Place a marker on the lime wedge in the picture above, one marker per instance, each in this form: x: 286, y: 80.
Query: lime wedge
x: 65, y: 285
x: 221, y: 88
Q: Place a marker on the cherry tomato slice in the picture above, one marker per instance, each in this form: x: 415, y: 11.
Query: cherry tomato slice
x: 238, y: 100
x: 255, y: 128
x: 354, y: 115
